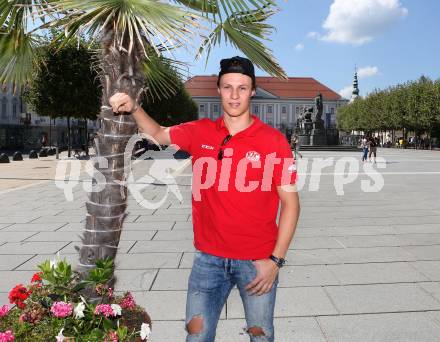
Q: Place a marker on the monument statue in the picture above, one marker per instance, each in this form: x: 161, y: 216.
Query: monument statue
x: 318, y: 122
x: 304, y: 121
x: 310, y: 127
x: 319, y: 105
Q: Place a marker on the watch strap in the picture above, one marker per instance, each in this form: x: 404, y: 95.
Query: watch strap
x: 278, y: 261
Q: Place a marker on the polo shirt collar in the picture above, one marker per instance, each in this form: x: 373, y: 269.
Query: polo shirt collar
x: 249, y: 131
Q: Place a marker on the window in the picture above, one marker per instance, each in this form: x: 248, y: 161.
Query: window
x: 256, y: 109
x: 297, y: 110
x: 283, y: 110
x: 332, y: 110
x: 216, y: 108
x: 202, y: 108
x: 4, y: 107
x: 269, y: 109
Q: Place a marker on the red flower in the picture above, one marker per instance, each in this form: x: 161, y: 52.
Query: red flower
x: 36, y: 277
x: 18, y: 295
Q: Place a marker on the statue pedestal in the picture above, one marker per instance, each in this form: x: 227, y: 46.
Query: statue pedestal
x: 318, y: 139
x: 304, y: 139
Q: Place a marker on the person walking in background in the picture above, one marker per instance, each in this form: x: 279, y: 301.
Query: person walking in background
x: 295, y: 146
x: 43, y: 140
x: 364, y: 147
x: 372, y: 144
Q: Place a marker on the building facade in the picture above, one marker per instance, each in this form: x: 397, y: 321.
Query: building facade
x: 276, y: 102
x: 21, y: 128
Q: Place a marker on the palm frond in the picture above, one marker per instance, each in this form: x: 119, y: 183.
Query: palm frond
x: 245, y: 30
x: 18, y: 58
x: 162, y: 77
x: 133, y: 21
x: 229, y: 7
x: 205, y: 6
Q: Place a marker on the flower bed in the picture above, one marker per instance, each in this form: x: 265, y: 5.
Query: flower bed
x: 55, y: 307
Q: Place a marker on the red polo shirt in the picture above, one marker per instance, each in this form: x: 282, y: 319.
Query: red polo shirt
x: 235, y: 201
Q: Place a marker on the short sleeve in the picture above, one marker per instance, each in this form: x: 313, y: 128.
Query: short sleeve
x: 183, y: 135
x: 285, y: 171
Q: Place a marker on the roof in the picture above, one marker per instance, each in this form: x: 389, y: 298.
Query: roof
x: 293, y: 87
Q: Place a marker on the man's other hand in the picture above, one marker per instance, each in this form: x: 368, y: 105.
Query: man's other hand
x: 267, y: 271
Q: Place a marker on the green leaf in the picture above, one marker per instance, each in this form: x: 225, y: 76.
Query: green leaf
x: 108, y: 324
x: 122, y: 333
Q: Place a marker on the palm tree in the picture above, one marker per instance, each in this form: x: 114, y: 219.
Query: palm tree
x: 134, y: 37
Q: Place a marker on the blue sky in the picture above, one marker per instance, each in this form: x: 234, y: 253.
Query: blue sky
x: 390, y: 42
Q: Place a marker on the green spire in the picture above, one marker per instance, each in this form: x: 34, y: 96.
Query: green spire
x: 355, y: 83
x: 355, y: 92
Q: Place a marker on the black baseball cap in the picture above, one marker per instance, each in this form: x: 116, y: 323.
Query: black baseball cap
x: 239, y: 65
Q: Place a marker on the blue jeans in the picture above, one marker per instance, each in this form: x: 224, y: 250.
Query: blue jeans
x: 364, y: 153
x: 212, y: 279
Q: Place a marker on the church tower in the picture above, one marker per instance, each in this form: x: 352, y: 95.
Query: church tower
x: 355, y: 93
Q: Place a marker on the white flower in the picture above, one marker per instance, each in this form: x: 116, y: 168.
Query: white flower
x: 117, y: 310
x: 60, y: 336
x: 145, y: 331
x: 79, y: 310
x: 54, y: 262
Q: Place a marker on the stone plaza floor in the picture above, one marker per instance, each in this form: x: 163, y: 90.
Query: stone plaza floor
x: 364, y: 264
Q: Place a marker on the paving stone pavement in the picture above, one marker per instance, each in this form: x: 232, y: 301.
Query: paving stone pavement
x: 364, y: 264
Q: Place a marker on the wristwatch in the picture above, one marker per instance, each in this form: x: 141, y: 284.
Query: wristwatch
x: 278, y: 261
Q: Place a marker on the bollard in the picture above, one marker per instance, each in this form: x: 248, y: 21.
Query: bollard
x: 33, y: 154
x: 17, y: 156
x: 57, y: 153
x: 4, y: 158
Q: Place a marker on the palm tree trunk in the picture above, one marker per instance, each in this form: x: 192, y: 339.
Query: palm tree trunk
x: 106, y: 209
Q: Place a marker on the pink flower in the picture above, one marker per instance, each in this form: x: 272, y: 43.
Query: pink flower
x: 112, y: 336
x: 4, y: 310
x: 110, y: 293
x: 7, y: 336
x: 128, y: 302
x: 104, y: 309
x: 61, y: 309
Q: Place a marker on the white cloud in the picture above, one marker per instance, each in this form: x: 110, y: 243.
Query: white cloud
x: 313, y: 35
x: 359, y: 21
x: 299, y: 46
x: 368, y: 71
x: 346, y: 92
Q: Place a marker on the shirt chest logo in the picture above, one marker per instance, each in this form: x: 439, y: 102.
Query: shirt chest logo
x: 292, y: 168
x: 207, y: 147
x: 253, y: 156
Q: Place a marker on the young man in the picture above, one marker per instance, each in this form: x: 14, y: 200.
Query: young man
x: 242, y: 170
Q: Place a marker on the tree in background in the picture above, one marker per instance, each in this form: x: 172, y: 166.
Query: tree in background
x: 66, y: 85
x: 178, y: 108
x: 411, y: 107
